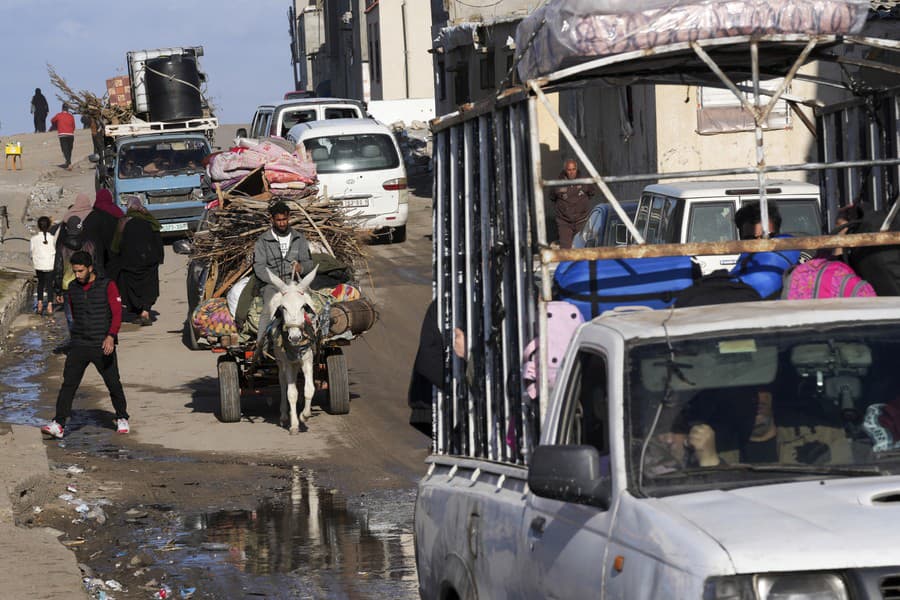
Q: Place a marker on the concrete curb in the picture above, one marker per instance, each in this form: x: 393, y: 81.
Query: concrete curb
x: 14, y: 302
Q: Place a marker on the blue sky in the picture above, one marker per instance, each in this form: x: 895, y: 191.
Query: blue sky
x: 246, y: 49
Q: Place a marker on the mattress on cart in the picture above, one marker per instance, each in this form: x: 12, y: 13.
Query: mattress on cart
x: 577, y: 30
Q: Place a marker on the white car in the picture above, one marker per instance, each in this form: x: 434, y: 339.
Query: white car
x: 360, y: 166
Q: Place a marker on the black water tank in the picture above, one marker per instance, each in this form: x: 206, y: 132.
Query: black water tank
x: 173, y: 88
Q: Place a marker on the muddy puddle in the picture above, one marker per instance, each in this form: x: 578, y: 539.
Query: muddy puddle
x: 197, y: 526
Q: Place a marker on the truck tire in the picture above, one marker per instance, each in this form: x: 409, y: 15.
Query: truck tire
x: 229, y: 391
x: 338, y: 384
x: 398, y: 235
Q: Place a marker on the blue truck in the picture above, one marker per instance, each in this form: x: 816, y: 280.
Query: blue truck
x: 158, y: 155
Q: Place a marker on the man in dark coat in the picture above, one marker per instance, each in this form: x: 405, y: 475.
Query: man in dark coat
x: 572, y: 204
x: 96, y: 317
x: 40, y: 109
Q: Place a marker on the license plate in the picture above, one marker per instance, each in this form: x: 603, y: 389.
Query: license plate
x: 174, y: 227
x: 355, y: 202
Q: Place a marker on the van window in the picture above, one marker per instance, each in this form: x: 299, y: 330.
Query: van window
x: 289, y: 118
x: 341, y: 113
x: 711, y: 222
x: 354, y: 152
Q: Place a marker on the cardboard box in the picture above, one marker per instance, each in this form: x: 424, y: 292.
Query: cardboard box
x: 119, y: 91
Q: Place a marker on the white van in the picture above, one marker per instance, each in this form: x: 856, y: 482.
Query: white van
x: 360, y: 166
x: 276, y: 119
x: 703, y: 211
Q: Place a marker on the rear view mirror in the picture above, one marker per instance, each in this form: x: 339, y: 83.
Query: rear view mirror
x: 241, y: 132
x: 183, y: 246
x: 620, y: 232
x: 94, y: 158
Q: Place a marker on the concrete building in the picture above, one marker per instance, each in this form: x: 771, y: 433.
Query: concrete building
x: 398, y: 47
x: 473, y: 48
x: 329, y: 47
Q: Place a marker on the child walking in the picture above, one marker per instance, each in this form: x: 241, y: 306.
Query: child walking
x: 43, y: 255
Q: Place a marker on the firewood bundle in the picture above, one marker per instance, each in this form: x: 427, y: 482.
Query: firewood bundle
x: 83, y: 102
x: 228, y: 243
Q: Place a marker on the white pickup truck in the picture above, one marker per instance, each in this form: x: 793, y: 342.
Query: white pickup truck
x: 744, y: 451
x: 792, y: 406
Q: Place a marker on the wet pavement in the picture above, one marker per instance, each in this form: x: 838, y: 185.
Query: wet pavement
x: 302, y: 539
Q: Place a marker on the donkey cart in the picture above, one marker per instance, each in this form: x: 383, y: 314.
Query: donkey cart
x: 239, y: 371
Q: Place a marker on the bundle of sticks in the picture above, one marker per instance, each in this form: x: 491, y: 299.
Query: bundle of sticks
x: 83, y: 102
x: 228, y: 243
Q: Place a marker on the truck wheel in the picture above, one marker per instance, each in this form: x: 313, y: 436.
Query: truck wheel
x: 398, y: 235
x: 229, y: 392
x: 338, y: 384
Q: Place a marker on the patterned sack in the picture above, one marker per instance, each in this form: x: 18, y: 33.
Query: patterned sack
x: 824, y: 278
x: 213, y: 319
x: 343, y: 292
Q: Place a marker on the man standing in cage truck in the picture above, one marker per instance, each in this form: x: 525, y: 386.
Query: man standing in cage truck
x: 96, y: 316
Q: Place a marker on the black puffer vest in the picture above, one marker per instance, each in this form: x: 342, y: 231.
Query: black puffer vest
x: 91, y: 315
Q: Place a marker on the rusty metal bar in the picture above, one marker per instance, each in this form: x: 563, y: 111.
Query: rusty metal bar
x: 854, y: 240
x: 787, y: 79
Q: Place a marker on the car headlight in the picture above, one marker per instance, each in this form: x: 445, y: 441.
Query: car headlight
x: 777, y: 586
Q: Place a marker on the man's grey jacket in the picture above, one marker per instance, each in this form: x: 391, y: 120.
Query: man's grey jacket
x: 267, y: 254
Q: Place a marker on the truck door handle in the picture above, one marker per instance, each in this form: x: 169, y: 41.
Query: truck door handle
x: 538, y: 524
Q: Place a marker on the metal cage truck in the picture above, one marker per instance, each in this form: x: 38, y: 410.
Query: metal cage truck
x: 732, y: 451
x: 158, y: 155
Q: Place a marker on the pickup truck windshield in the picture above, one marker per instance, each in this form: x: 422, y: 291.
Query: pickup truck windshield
x: 787, y: 404
x: 170, y: 157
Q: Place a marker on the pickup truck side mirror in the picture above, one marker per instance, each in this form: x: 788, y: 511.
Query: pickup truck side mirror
x: 94, y: 158
x: 569, y: 474
x: 241, y: 132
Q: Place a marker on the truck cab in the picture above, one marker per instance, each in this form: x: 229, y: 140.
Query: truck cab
x: 733, y: 451
x: 165, y: 171
x: 703, y: 211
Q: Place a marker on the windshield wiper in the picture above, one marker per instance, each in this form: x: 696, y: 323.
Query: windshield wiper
x: 847, y: 470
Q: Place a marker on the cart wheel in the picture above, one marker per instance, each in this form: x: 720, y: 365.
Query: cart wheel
x: 338, y: 384
x: 229, y: 392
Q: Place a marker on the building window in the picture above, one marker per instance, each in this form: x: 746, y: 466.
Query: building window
x: 441, y: 77
x: 486, y: 66
x: 461, y: 84
x: 720, y: 111
x: 377, y: 60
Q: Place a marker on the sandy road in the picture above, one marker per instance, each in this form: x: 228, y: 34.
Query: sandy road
x: 173, y: 396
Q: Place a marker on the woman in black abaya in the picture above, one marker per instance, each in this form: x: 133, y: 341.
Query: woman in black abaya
x: 139, y: 246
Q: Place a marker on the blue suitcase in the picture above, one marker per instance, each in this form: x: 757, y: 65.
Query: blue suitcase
x: 595, y: 286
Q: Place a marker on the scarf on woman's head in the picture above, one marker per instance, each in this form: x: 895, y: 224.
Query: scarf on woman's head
x: 81, y: 208
x: 136, y: 210
x: 105, y: 203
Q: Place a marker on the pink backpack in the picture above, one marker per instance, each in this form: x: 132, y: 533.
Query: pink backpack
x: 563, y: 318
x: 824, y: 278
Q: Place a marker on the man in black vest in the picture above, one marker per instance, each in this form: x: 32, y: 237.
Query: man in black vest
x: 96, y: 310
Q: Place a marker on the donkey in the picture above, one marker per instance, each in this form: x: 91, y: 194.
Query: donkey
x: 294, y: 345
